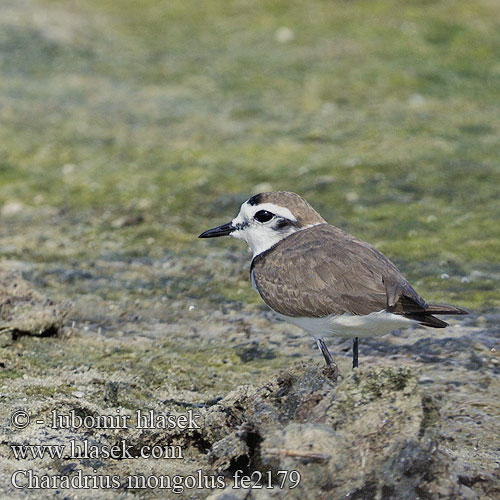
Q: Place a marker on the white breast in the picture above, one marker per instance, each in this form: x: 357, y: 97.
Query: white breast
x: 349, y: 325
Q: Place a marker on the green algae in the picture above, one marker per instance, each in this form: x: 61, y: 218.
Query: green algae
x: 385, y: 119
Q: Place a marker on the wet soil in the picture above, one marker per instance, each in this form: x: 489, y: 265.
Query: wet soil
x: 419, y: 419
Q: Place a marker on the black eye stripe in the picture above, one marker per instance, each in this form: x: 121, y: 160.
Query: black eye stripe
x: 263, y: 216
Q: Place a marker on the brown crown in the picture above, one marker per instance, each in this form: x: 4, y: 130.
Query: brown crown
x: 300, y: 208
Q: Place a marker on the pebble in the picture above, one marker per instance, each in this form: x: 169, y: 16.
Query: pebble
x: 12, y: 208
x: 68, y: 169
x: 425, y: 380
x: 262, y: 187
x: 416, y: 100
x: 284, y: 35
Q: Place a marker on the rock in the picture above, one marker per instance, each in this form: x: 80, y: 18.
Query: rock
x: 12, y: 208
x: 253, y: 352
x: 24, y: 311
x: 284, y: 35
x: 127, y: 220
x: 376, y: 429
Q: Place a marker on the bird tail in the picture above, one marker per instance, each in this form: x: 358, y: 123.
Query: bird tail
x: 426, y: 317
x: 444, y: 309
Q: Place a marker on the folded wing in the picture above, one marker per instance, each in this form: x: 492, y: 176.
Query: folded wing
x: 322, y: 270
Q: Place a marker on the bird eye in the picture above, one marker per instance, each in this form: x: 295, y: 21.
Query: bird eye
x: 263, y: 216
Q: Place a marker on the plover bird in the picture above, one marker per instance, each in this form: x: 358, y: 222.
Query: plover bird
x: 322, y: 279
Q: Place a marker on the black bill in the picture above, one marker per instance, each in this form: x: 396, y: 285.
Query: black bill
x: 223, y: 230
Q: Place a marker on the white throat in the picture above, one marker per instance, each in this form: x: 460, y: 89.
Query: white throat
x: 261, y: 239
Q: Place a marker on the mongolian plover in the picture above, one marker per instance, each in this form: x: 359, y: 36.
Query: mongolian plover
x: 322, y: 279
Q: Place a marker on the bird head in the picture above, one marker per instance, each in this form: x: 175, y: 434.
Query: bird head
x: 267, y: 218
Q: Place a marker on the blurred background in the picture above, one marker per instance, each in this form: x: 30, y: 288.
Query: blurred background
x: 129, y: 126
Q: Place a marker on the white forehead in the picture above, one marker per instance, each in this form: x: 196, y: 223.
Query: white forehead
x: 247, y: 211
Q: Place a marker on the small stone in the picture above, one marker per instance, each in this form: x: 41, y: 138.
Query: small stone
x: 12, y: 208
x: 445, y: 276
x: 125, y: 221
x: 425, y: 380
x: 78, y: 394
x: 262, y: 187
x: 284, y: 35
x: 144, y: 204
x: 416, y: 100
x: 68, y: 169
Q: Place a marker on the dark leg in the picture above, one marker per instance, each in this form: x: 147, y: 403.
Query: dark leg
x: 326, y: 353
x: 355, y: 352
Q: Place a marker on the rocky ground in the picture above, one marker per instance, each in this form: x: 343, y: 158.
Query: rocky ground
x: 419, y: 419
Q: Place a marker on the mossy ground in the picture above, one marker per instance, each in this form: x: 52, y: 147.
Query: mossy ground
x: 385, y: 117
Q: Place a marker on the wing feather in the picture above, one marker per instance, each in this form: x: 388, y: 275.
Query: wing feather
x: 322, y: 270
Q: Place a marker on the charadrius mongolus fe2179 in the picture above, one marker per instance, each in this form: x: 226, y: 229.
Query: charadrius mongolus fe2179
x: 321, y: 278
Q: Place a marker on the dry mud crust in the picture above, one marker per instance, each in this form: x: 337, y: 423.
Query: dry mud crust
x: 375, y: 434
x: 24, y: 311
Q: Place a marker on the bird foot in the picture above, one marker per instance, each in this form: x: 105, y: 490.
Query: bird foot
x: 331, y: 370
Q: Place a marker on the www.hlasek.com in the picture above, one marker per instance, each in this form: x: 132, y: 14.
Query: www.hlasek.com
x: 78, y: 449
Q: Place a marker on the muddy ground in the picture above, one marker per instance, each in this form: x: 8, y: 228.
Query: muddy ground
x: 419, y: 419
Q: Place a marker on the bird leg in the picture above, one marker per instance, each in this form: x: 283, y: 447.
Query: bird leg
x: 326, y: 353
x: 355, y: 345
